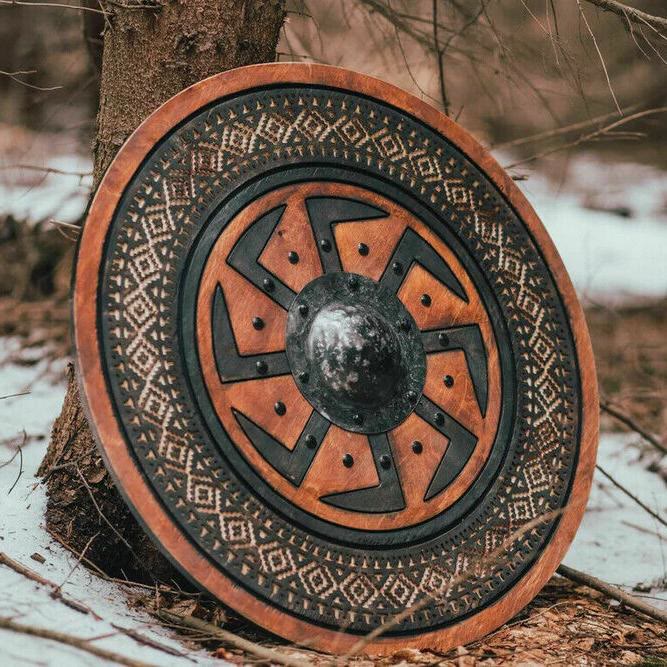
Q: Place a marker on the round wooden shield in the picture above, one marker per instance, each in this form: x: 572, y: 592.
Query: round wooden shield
x: 334, y: 361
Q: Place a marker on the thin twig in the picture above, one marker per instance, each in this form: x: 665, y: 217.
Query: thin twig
x: 46, y: 170
x: 589, y: 136
x: 262, y: 652
x: 439, y: 55
x: 21, y: 393
x: 632, y: 424
x: 612, y: 592
x: 152, y: 643
x: 20, y: 448
x: 14, y: 76
x: 21, y: 3
x: 548, y: 134
x: 70, y: 640
x: 56, y: 593
x: 103, y: 516
x: 597, y: 48
x: 632, y: 14
x: 631, y: 495
x: 78, y: 561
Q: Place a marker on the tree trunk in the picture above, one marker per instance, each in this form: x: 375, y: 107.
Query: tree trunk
x: 149, y: 55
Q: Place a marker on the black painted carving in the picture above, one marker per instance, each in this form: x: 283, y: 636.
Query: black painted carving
x: 413, y: 248
x: 469, y: 339
x: 245, y: 254
x: 232, y: 366
x: 324, y: 212
x: 387, y: 496
x: 461, y: 446
x: 292, y: 465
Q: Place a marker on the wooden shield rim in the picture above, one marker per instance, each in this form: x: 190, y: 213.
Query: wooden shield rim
x: 135, y: 488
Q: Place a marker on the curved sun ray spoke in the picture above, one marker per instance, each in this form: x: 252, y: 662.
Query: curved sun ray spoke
x: 387, y: 496
x: 324, y: 212
x: 413, y: 248
x: 292, y: 465
x: 469, y: 339
x: 232, y: 366
x: 245, y: 255
x: 461, y: 445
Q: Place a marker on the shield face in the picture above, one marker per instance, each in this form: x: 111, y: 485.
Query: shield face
x: 333, y: 360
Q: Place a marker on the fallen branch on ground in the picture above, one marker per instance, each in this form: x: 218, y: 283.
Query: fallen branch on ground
x: 70, y: 640
x: 56, y: 593
x: 262, y: 652
x: 632, y: 425
x: 632, y: 496
x: 612, y: 592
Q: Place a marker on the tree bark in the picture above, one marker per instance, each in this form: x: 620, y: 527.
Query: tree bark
x: 149, y: 55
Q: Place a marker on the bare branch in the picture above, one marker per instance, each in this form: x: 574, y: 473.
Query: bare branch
x: 631, y: 424
x: 635, y: 15
x: 70, y: 640
x: 14, y: 76
x: 597, y: 48
x: 211, y: 630
x: 21, y: 3
x: 439, y: 56
x: 589, y: 136
x: 632, y: 496
x: 612, y: 592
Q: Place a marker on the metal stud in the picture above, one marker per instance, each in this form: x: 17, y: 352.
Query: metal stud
x: 348, y: 460
x: 311, y: 441
x: 363, y: 249
x: 417, y: 447
x: 268, y: 284
x: 443, y: 339
x: 405, y: 324
x: 385, y: 462
x: 262, y: 367
x: 303, y: 309
x: 280, y: 408
x: 448, y: 380
x: 257, y: 323
x: 353, y: 282
x: 411, y: 395
x: 325, y: 244
x: 293, y: 257
x: 439, y: 418
x: 358, y: 419
x: 397, y: 268
x: 304, y: 377
x: 426, y: 300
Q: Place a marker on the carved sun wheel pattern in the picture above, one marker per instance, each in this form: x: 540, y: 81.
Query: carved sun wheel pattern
x: 388, y: 470
x: 333, y: 360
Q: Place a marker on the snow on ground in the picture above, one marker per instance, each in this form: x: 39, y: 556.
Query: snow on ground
x: 22, y: 533
x: 39, y: 194
x: 617, y: 541
x: 610, y: 258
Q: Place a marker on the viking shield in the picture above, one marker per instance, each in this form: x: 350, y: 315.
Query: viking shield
x: 333, y: 360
